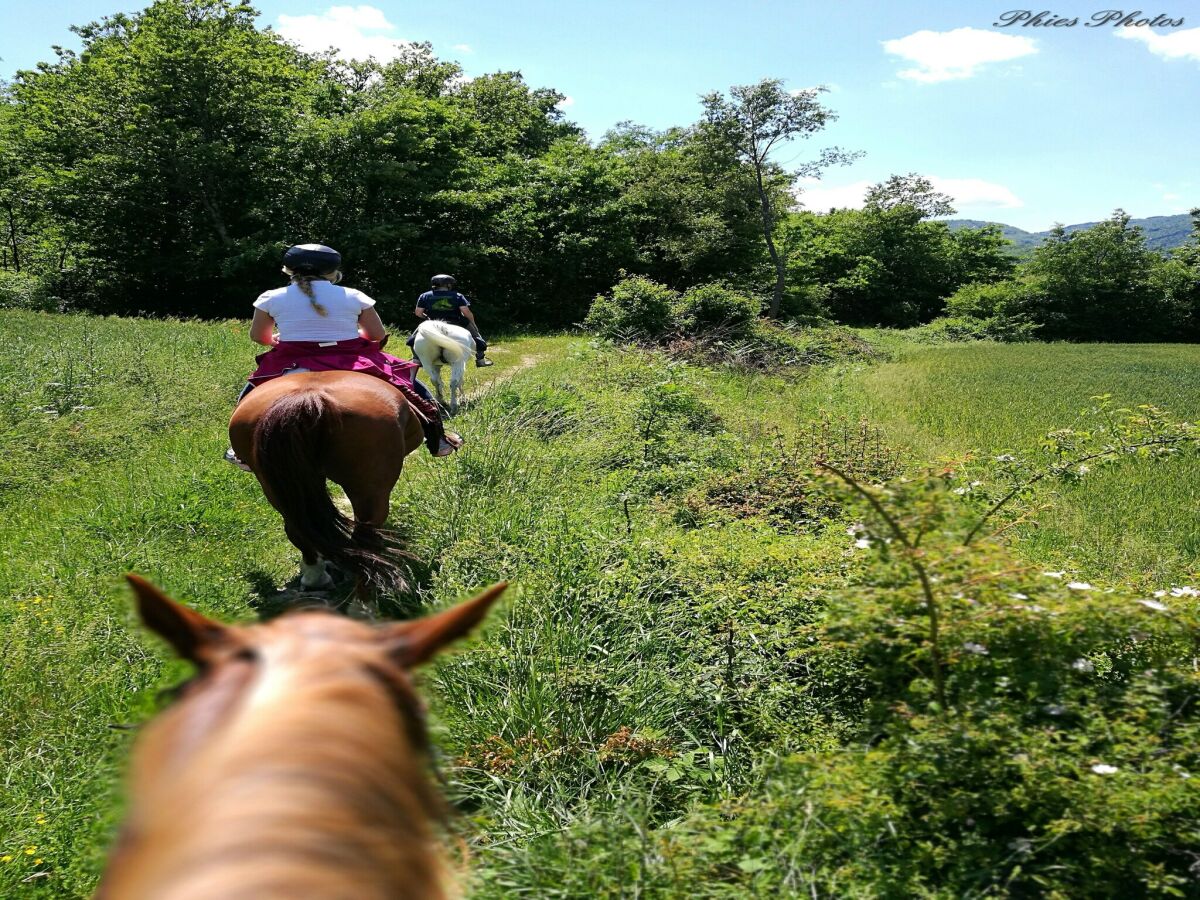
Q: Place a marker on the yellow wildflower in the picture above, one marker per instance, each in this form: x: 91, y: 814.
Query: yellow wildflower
x: 29, y: 851
x: 7, y: 857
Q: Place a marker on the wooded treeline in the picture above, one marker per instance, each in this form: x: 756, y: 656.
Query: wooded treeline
x: 163, y: 168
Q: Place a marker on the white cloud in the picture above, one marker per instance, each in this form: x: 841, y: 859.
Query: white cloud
x: 976, y: 192
x: 463, y: 48
x: 565, y: 102
x: 348, y: 29
x: 946, y: 55
x: 819, y: 197
x: 1170, y: 196
x: 964, y: 192
x: 1174, y: 45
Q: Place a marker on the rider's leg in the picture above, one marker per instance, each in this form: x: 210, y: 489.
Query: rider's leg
x: 436, y: 438
x: 422, y: 390
x: 480, y: 346
x: 230, y: 456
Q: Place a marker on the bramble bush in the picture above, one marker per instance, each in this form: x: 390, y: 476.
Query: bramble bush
x: 964, y: 328
x: 637, y: 309
x: 709, y: 307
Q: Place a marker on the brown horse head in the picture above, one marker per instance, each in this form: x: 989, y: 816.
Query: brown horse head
x: 297, y: 432
x: 292, y: 765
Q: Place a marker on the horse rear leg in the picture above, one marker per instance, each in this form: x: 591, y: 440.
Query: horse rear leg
x: 314, y: 576
x: 458, y: 372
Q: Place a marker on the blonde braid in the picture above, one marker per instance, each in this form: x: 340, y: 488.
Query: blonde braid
x: 304, y: 282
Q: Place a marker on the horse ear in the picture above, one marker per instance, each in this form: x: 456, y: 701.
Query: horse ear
x: 418, y: 641
x: 188, y: 632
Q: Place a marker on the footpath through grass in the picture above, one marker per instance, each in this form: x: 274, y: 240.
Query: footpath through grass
x: 674, y: 700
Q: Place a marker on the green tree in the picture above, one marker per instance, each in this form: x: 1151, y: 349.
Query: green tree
x: 159, y: 151
x: 1102, y: 284
x: 514, y: 118
x: 887, y: 264
x: 753, y: 121
x: 689, y: 203
x: 910, y: 190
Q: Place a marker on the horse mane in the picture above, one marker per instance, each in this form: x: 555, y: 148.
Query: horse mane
x: 296, y: 767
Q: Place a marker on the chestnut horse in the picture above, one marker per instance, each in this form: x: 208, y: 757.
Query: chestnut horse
x: 293, y: 764
x: 351, y: 428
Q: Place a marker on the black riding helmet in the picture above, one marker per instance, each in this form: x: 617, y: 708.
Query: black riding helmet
x: 445, y: 282
x: 312, y: 259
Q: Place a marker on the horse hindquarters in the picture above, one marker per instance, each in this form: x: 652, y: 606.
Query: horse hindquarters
x: 291, y: 444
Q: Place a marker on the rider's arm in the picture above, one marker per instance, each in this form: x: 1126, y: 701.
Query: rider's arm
x: 466, y: 311
x: 262, y: 329
x: 419, y: 312
x: 370, y: 325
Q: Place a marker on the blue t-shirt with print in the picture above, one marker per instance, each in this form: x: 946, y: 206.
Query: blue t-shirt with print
x: 445, y: 305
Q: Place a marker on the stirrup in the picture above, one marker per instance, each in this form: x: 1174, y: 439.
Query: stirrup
x: 232, y: 458
x: 449, y: 443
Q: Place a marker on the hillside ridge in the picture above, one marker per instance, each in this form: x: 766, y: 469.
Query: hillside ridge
x: 1162, y: 232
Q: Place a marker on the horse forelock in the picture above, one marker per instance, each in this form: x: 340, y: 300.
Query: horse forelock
x: 304, y: 750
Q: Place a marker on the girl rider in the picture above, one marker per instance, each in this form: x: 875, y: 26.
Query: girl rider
x: 323, y: 326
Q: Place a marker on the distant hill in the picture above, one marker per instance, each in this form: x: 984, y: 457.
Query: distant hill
x: 1162, y: 232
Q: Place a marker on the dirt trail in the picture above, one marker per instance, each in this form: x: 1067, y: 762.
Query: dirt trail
x: 528, y: 361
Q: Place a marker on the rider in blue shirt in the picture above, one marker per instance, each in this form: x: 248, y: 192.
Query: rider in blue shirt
x: 445, y: 304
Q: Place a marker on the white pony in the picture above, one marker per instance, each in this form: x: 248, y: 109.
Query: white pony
x: 439, y: 344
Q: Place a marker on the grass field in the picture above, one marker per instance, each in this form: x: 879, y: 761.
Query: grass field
x: 1132, y: 521
x: 641, y: 688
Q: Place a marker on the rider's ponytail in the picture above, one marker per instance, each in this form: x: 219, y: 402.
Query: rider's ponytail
x: 304, y: 282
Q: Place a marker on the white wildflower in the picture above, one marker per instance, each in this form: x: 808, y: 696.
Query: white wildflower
x: 1079, y: 585
x: 1183, y: 773
x: 1083, y: 665
x: 1153, y: 604
x: 856, y: 528
x: 975, y: 484
x: 1160, y: 593
x: 1019, y: 596
x: 863, y: 543
x: 1083, y: 470
x: 977, y: 649
x: 960, y: 491
x: 1104, y: 769
x: 1185, y: 592
x: 1055, y: 709
x: 1006, y: 457
x: 1054, y: 574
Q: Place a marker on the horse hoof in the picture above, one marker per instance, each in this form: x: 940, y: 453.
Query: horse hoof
x: 315, y: 577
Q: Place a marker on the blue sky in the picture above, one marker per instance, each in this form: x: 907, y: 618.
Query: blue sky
x: 1025, y: 125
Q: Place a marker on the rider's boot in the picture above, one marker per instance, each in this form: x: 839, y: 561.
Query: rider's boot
x: 439, y: 441
x: 482, y: 362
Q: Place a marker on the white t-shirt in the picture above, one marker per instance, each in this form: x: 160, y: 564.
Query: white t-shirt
x: 297, y: 320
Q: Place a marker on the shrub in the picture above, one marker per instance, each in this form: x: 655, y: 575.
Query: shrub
x: 637, y: 309
x: 713, y: 307
x: 1019, y: 300
x: 964, y: 328
x: 20, y: 291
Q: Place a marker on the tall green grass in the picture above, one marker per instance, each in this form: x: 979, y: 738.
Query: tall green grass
x: 1132, y: 521
x: 645, y: 681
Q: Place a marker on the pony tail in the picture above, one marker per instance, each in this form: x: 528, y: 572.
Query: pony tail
x: 304, y: 282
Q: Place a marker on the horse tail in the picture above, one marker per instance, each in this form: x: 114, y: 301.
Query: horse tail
x: 290, y: 441
x: 439, y: 334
